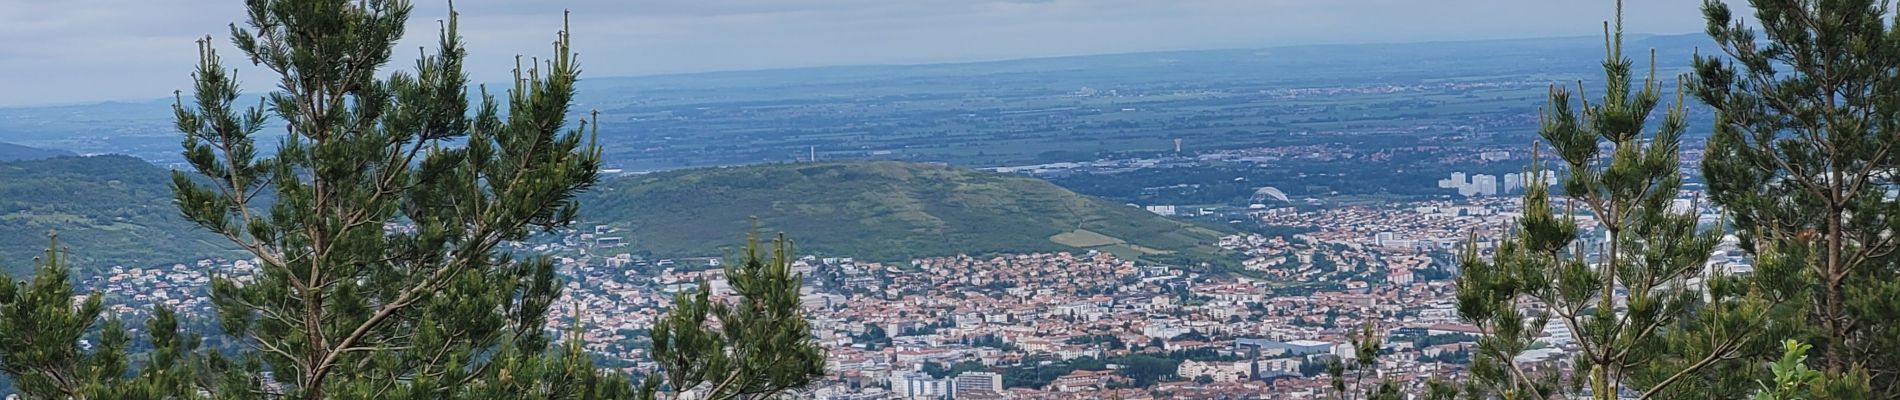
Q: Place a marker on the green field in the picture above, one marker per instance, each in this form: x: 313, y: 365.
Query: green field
x: 1087, y: 239
x: 1084, y: 238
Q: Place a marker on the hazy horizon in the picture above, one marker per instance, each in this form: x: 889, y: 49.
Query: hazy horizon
x: 128, y: 50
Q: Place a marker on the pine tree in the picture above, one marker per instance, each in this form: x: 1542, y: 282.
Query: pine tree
x: 1367, y: 342
x: 378, y: 223
x: 756, y: 346
x: 41, y: 348
x: 378, y: 219
x: 1802, y: 156
x: 1645, y: 314
x: 1488, y: 297
x: 1439, y: 389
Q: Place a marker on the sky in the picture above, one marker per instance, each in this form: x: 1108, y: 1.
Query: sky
x: 62, y: 52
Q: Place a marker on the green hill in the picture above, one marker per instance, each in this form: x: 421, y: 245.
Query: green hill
x: 14, y: 152
x: 108, y: 210
x: 886, y: 211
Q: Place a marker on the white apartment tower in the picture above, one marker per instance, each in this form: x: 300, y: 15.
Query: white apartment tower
x: 969, y: 382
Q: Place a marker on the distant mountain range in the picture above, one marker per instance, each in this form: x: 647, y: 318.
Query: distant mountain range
x: 884, y: 211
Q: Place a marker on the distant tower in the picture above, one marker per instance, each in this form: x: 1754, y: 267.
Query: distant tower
x: 1177, y: 146
x: 814, y: 154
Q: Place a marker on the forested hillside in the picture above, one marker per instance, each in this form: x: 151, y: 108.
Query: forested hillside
x: 108, y: 210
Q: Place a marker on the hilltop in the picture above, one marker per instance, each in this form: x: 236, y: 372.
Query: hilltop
x: 883, y: 210
x: 108, y: 210
x: 14, y: 152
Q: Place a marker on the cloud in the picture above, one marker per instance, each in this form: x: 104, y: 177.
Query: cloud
x: 61, y: 51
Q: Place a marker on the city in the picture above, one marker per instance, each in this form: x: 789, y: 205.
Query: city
x: 950, y: 200
x: 1065, y: 325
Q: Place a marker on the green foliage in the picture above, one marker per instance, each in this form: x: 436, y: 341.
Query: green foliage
x: 344, y: 306
x: 1031, y: 374
x: 761, y: 346
x: 887, y: 211
x: 1802, y: 158
x: 1142, y: 370
x: 110, y: 210
x: 1634, y: 305
x: 1793, y: 380
x: 1792, y: 375
x: 1108, y: 341
x: 1440, y: 389
x: 41, y: 347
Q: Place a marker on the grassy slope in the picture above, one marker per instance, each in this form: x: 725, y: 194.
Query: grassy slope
x: 108, y: 210
x: 889, y: 211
